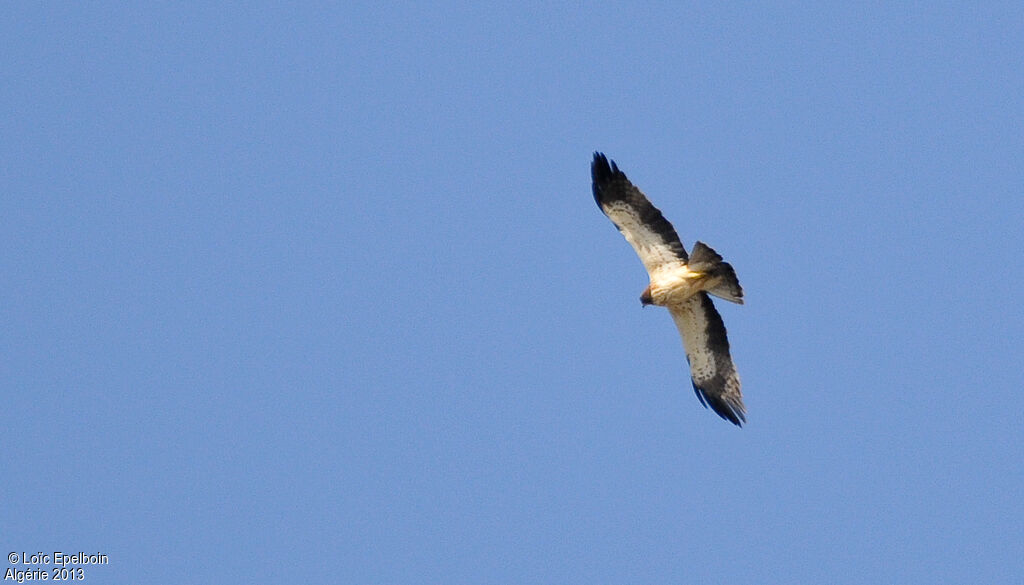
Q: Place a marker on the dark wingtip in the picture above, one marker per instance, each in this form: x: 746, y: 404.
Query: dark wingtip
x: 730, y: 412
x: 600, y: 165
x: 603, y: 172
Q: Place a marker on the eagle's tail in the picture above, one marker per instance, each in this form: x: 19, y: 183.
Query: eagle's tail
x: 720, y: 279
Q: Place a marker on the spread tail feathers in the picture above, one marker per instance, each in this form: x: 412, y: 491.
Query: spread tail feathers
x: 721, y: 279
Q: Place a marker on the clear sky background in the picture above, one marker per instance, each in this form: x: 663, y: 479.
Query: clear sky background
x: 320, y: 293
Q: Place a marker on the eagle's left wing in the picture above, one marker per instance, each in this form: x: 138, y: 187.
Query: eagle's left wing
x: 707, y: 349
x: 645, y: 228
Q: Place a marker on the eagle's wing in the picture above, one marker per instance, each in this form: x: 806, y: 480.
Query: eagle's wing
x: 707, y: 349
x: 650, y: 234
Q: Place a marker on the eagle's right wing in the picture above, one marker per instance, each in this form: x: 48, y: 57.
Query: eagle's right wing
x: 644, y: 227
x: 707, y: 349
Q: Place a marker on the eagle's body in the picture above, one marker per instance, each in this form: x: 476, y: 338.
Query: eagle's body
x: 674, y: 286
x: 681, y: 283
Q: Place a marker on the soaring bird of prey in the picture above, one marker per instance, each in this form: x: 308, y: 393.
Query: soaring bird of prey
x: 680, y: 283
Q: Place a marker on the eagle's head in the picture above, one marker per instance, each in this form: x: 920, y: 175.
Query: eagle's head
x: 645, y: 297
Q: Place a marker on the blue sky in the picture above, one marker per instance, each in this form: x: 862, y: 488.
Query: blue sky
x: 320, y: 293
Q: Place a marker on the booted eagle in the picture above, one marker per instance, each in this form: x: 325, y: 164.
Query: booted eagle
x: 680, y: 283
